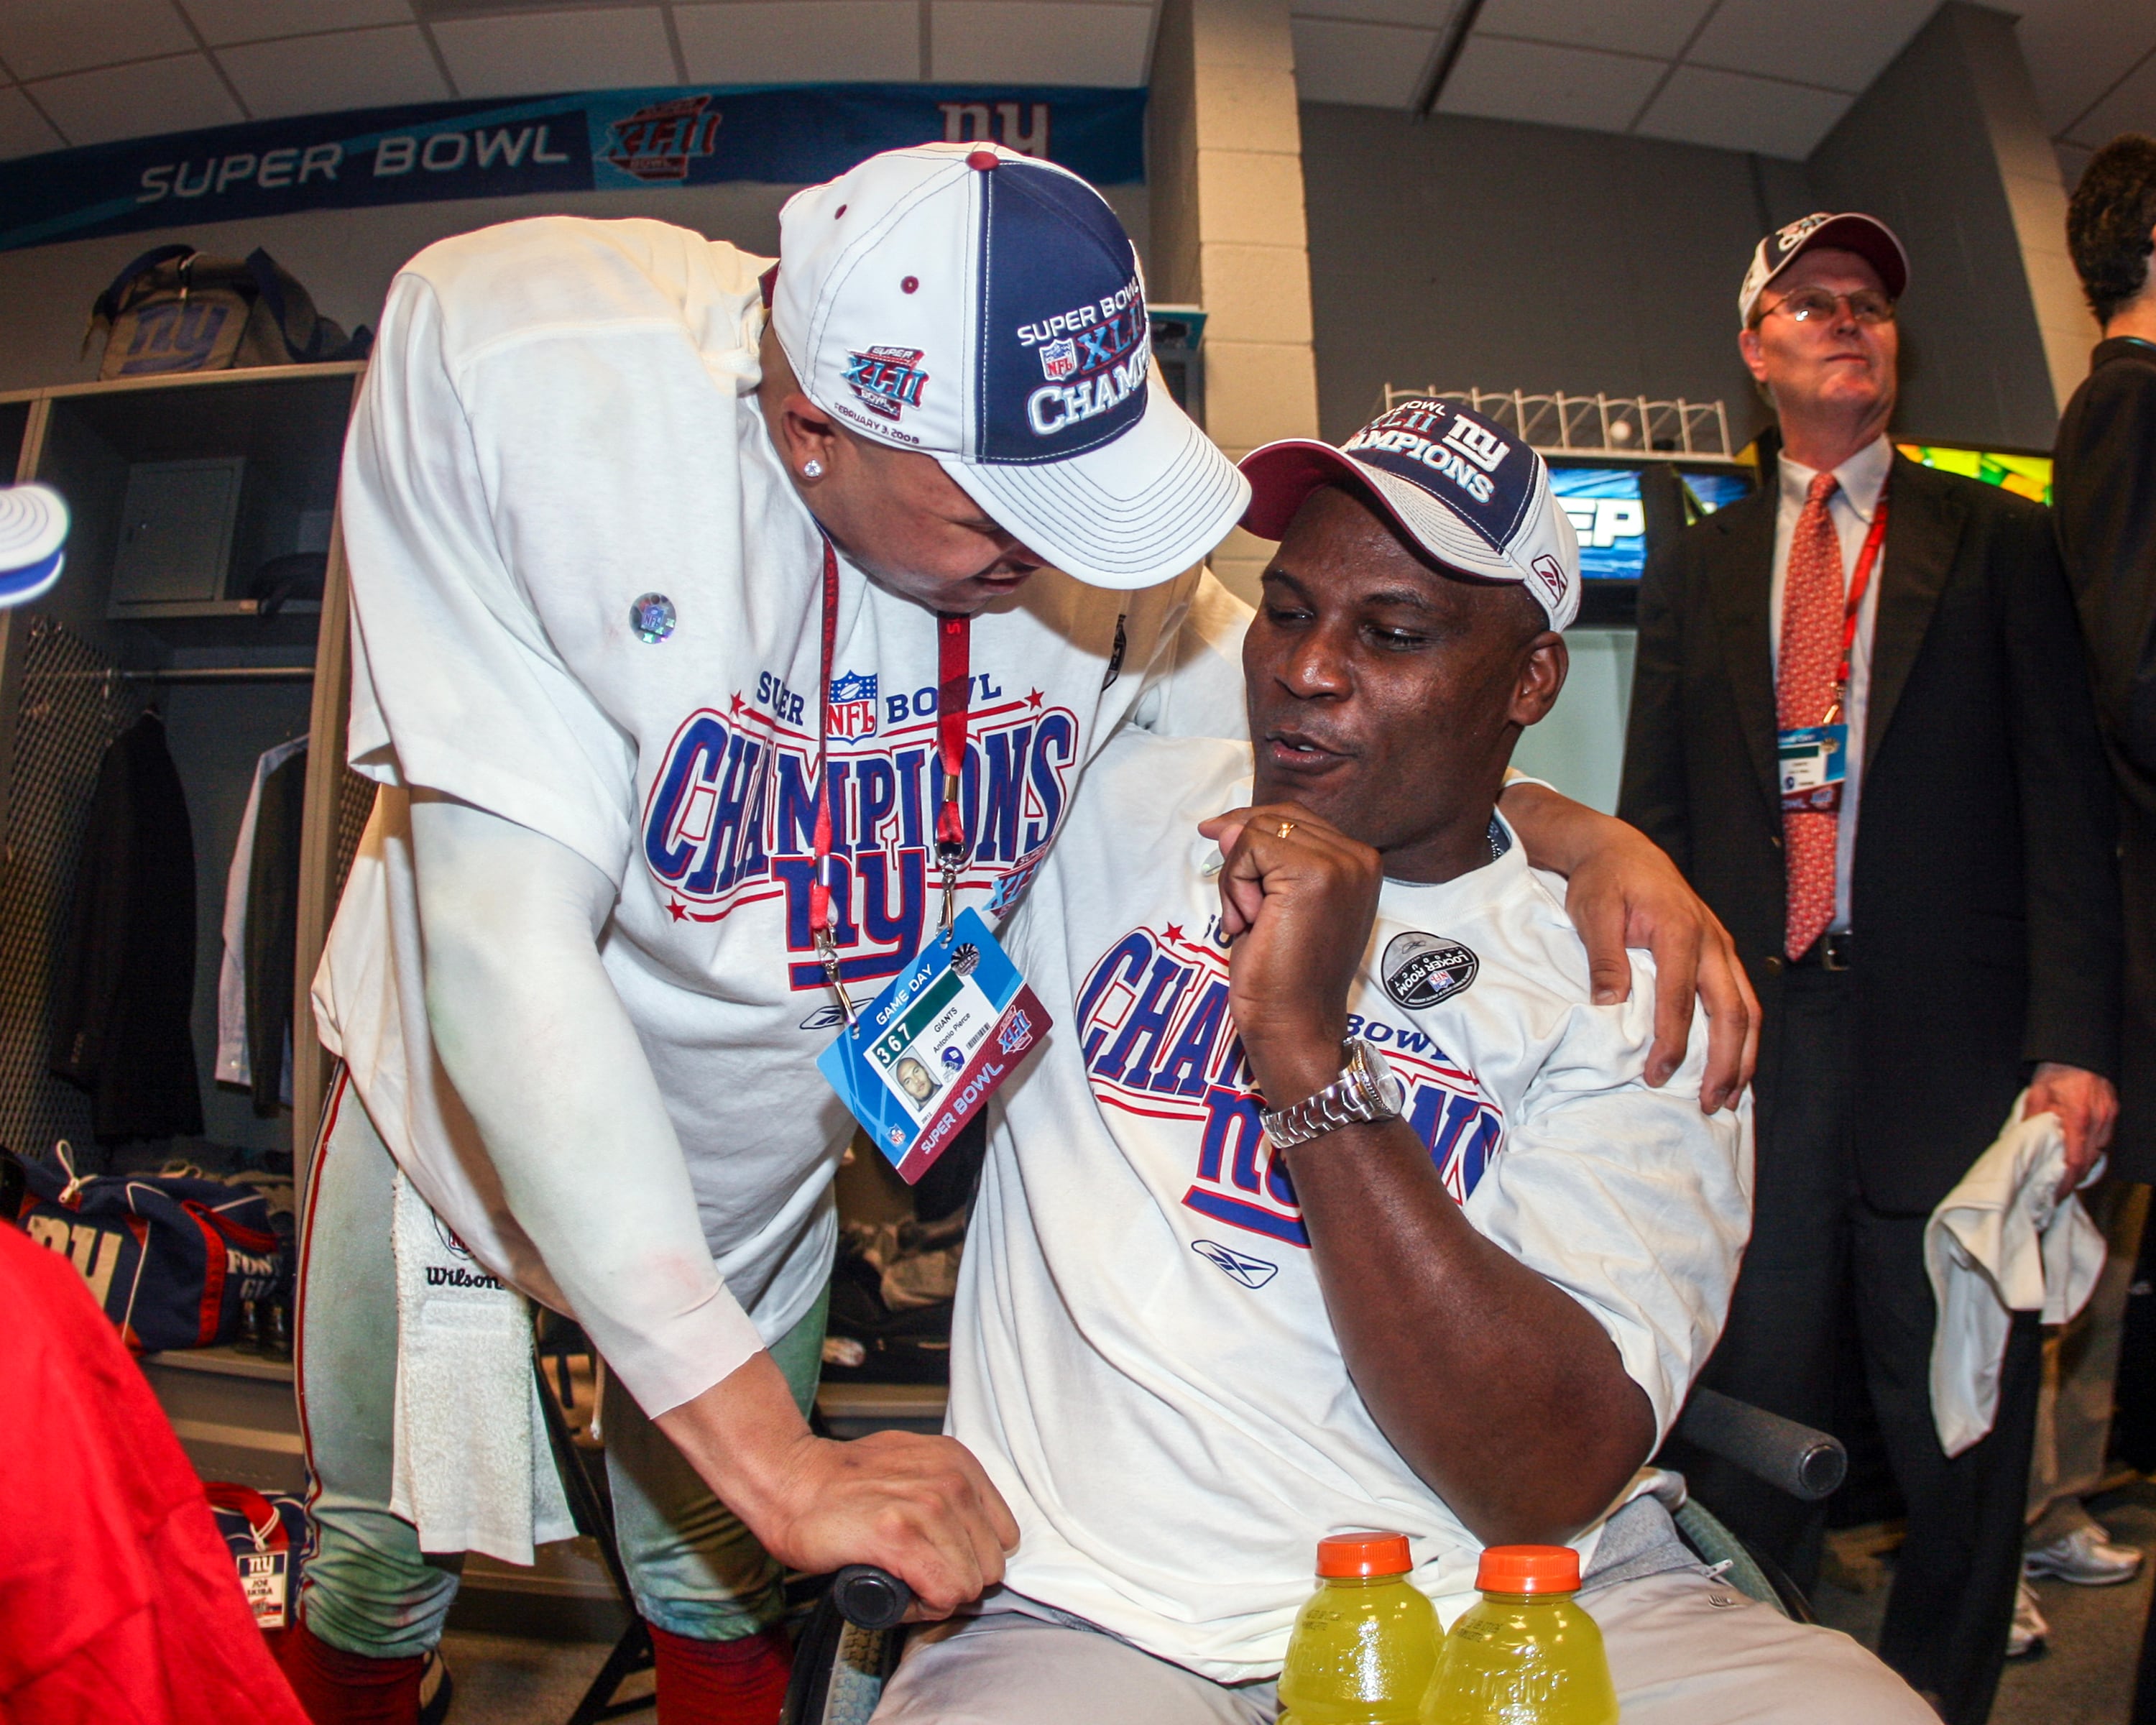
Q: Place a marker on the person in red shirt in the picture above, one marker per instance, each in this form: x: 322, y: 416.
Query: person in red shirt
x: 119, y: 1602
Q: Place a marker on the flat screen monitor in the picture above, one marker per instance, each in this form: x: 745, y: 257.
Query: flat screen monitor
x: 2026, y: 475
x: 1623, y: 509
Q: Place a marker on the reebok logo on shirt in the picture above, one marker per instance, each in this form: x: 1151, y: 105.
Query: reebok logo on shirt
x: 1153, y: 1023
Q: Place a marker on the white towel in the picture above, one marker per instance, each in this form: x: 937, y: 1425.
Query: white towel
x: 2000, y: 1243
x: 471, y: 1468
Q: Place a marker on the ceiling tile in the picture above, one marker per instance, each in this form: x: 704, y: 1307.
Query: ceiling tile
x: 223, y: 21
x: 41, y: 37
x: 322, y: 74
x: 1425, y: 14
x: 182, y: 93
x: 22, y: 129
x: 1842, y: 48
x: 2131, y: 107
x: 1648, y: 27
x: 801, y: 41
x: 2072, y: 159
x: 1550, y: 86
x: 536, y: 52
x: 1038, y: 41
x: 2076, y: 50
x: 1733, y: 112
x: 1367, y: 65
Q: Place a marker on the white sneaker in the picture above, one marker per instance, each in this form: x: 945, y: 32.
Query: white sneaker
x: 2085, y: 1557
x: 2028, y: 1629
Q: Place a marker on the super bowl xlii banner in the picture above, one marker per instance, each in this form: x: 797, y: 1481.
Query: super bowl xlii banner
x: 593, y: 142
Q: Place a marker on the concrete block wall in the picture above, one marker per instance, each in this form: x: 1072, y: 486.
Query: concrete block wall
x: 1226, y: 174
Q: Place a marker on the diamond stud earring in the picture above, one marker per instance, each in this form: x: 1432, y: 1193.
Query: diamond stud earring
x: 812, y: 469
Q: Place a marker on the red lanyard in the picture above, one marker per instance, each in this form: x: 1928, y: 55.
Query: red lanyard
x: 1859, y: 582
x: 954, y: 692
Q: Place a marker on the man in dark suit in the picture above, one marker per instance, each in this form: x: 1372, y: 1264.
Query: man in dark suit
x: 1862, y: 726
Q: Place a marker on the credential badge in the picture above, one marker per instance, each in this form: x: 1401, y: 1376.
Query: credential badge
x: 1421, y: 969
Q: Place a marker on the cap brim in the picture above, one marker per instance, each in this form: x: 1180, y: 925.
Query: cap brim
x: 1869, y: 238
x: 1283, y: 475
x: 1130, y: 513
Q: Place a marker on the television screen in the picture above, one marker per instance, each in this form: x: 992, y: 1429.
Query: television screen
x: 2027, y: 475
x: 1705, y: 492
x: 1604, y: 503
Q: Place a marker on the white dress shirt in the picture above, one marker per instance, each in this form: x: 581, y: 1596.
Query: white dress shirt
x: 1861, y: 478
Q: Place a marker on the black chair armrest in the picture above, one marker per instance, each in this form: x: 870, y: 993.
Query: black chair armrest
x: 1808, y: 1464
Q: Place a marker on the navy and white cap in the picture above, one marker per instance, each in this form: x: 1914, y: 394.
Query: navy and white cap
x: 977, y: 306
x: 1471, y: 493
x: 33, y: 530
x: 1870, y: 238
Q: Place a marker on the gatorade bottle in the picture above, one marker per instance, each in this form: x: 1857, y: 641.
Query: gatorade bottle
x: 1526, y: 1654
x: 1365, y: 1643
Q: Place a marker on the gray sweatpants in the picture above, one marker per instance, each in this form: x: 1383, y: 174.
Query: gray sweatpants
x: 1685, y: 1649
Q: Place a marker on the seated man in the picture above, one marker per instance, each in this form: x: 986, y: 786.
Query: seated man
x: 1193, y: 1340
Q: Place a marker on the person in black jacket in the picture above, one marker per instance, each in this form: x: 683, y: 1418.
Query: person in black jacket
x: 2104, y: 492
x: 1916, y: 970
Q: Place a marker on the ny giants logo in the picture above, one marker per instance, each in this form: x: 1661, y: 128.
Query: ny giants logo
x: 1153, y: 1025
x: 731, y: 817
x: 888, y: 380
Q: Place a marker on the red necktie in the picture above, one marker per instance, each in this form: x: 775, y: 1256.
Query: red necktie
x: 1803, y: 691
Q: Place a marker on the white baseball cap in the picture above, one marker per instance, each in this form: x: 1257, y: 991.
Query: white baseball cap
x: 1870, y: 238
x: 34, y: 531
x: 972, y: 304
x: 1471, y: 493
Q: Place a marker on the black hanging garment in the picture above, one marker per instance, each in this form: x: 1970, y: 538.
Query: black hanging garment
x: 124, y: 982
x: 273, y: 930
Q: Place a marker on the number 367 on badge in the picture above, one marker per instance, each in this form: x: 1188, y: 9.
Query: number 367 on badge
x: 920, y: 1059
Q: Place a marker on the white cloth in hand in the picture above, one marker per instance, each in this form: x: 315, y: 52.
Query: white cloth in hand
x: 2002, y: 1242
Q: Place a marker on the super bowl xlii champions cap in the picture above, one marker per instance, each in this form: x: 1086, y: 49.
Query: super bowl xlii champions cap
x: 34, y: 531
x: 1870, y: 238
x: 987, y: 309
x: 1471, y: 495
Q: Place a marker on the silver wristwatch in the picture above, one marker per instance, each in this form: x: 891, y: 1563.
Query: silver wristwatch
x: 1366, y: 1089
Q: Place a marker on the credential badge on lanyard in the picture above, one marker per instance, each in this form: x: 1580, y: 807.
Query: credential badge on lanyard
x: 917, y: 1062
x: 1813, y: 760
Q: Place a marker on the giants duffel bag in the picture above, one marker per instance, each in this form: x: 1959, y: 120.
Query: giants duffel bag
x: 169, y: 1258
x: 175, y: 309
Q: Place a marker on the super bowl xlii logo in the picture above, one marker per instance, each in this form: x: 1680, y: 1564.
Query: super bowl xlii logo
x: 659, y: 141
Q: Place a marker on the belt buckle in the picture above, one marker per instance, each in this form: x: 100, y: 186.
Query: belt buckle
x: 1835, y: 949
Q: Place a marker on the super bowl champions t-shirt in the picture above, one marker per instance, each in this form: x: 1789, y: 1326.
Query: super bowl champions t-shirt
x: 1141, y: 1359
x: 586, y: 598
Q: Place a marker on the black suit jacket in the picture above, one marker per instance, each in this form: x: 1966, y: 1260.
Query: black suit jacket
x: 2105, y: 512
x: 1984, y: 904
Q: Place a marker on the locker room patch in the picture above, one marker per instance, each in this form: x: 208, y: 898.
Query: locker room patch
x: 1422, y: 969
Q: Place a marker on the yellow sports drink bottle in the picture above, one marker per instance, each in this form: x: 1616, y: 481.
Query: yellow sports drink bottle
x: 1365, y: 1643
x: 1525, y: 1653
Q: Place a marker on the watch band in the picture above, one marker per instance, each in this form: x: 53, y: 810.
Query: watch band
x: 1366, y: 1090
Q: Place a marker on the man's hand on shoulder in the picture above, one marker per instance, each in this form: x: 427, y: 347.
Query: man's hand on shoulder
x: 1297, y: 898
x: 1621, y: 889
x: 2087, y: 1107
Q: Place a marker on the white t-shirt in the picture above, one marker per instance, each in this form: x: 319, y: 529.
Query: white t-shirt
x: 560, y: 418
x: 1142, y: 1360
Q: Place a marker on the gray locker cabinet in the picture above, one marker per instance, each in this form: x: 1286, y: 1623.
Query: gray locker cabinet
x: 176, y: 525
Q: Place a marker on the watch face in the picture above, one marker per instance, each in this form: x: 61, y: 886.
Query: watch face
x: 1384, y: 1082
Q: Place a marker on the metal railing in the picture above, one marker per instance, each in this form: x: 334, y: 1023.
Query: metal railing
x: 1561, y: 425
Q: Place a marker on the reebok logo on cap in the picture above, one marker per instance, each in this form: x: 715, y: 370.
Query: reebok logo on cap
x: 1469, y: 492
x: 987, y: 310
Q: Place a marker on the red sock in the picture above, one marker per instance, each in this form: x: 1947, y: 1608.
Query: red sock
x: 341, y: 1688
x: 721, y: 1683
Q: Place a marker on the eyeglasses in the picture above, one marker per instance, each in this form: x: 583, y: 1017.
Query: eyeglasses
x: 1806, y: 304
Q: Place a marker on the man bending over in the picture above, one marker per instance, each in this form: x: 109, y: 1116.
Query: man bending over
x: 1460, y: 1289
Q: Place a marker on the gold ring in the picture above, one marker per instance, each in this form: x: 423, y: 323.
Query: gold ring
x: 1284, y: 830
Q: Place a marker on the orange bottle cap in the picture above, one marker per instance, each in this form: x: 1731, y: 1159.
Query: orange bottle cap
x: 1365, y: 1554
x: 1528, y: 1569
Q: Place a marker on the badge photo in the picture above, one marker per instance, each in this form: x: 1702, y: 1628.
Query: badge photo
x: 1419, y: 970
